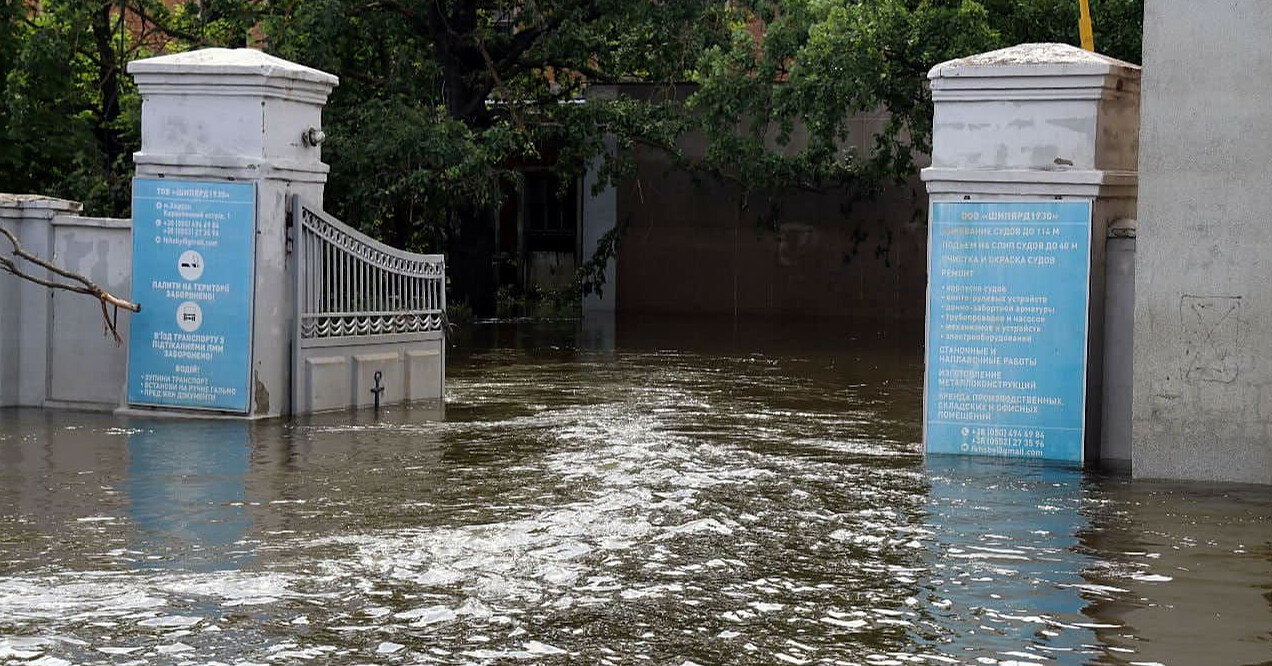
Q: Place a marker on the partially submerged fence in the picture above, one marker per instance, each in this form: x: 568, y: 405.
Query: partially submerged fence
x: 369, y: 317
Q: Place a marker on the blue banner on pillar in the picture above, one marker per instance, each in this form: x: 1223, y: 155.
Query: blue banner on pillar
x: 193, y: 257
x: 1008, y: 295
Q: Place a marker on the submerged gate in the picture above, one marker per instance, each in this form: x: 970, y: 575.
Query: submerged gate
x: 369, y: 318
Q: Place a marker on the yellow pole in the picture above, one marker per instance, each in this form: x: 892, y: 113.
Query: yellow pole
x: 1084, y: 26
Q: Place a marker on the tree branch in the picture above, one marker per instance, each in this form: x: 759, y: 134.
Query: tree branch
x: 419, y: 23
x: 85, y: 286
x: 171, y: 32
x: 494, y: 74
x: 524, y: 40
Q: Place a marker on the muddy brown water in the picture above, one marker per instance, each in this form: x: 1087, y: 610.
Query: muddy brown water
x: 683, y: 492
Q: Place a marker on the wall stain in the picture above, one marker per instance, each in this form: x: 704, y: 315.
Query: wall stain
x: 262, y: 396
x: 1210, y: 335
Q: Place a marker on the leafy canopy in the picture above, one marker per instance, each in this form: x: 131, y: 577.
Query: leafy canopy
x: 444, y: 103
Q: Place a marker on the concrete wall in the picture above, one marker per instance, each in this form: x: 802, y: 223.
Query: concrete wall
x: 690, y: 244
x: 86, y: 369
x: 24, y: 306
x: 1203, y: 321
x: 1119, y: 328
x: 53, y: 347
x: 598, y: 216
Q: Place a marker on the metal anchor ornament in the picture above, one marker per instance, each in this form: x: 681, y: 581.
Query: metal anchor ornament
x: 378, y: 390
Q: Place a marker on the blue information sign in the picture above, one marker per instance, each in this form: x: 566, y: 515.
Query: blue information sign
x: 193, y: 255
x: 1008, y: 292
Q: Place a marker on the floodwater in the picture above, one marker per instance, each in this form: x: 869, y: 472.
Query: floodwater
x: 683, y: 493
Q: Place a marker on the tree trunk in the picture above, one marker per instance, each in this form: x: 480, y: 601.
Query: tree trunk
x: 109, y: 136
x: 471, y: 262
x: 466, y: 87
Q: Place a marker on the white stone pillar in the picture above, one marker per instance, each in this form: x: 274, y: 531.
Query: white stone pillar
x: 1036, y: 123
x: 246, y: 116
x: 25, y: 306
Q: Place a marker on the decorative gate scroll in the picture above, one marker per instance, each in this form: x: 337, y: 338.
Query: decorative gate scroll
x: 363, y: 307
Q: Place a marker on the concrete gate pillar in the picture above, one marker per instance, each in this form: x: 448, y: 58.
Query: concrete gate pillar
x: 236, y: 116
x: 1034, y: 158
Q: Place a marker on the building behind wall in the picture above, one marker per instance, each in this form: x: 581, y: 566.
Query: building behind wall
x: 537, y: 238
x: 695, y: 244
x: 699, y: 246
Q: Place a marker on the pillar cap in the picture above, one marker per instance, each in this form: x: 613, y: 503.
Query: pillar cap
x: 231, y: 62
x: 1040, y: 59
x: 230, y: 113
x: 36, y: 205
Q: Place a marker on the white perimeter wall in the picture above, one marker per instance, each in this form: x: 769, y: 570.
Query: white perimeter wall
x: 54, y: 351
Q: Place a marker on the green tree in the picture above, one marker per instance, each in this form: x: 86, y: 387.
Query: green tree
x: 439, y: 112
x: 444, y: 103
x: 69, y: 115
x: 808, y: 68
x: 1118, y: 24
x: 62, y: 127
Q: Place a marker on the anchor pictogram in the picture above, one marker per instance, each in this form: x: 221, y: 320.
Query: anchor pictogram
x: 378, y: 389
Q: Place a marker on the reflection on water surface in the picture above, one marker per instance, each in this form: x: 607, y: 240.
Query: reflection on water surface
x: 683, y: 492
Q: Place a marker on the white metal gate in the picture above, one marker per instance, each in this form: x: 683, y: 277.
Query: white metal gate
x: 369, y: 318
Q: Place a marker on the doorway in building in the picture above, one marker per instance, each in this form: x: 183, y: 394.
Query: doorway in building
x: 537, y: 251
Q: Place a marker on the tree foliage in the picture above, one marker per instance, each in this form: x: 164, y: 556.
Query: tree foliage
x: 63, y: 120
x: 69, y: 115
x: 776, y: 101
x: 1117, y: 23
x: 444, y: 103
